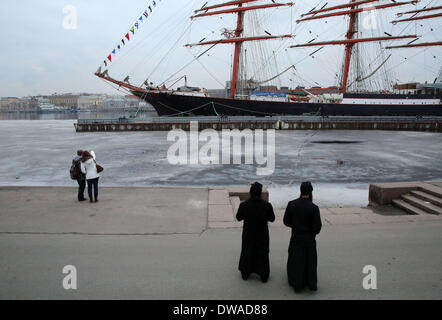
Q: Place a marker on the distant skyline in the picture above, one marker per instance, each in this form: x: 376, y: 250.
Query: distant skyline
x: 40, y: 56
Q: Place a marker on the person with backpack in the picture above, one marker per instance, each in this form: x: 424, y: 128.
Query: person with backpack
x: 79, y: 176
x: 91, y: 169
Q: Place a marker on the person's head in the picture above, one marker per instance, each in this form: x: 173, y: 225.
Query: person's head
x: 307, y: 190
x: 256, y: 190
x: 79, y: 153
x: 85, y: 156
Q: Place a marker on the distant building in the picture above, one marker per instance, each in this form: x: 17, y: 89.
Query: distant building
x: 132, y: 101
x: 218, y: 93
x: 91, y: 102
x: 406, y: 88
x: 430, y: 88
x: 111, y: 103
x: 418, y: 88
x: 13, y: 104
x: 319, y: 90
x: 67, y: 101
x: 6, y: 101
x: 268, y: 88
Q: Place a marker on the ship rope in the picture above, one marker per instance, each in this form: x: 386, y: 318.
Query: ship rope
x: 359, y: 79
x: 278, y: 75
x: 185, y: 112
x: 213, y: 105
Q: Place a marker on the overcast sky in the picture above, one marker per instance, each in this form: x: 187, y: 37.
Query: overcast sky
x: 39, y: 56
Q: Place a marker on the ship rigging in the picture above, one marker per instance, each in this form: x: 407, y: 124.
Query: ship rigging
x: 351, y: 96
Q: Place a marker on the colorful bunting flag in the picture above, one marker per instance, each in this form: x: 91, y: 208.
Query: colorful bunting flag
x: 136, y: 25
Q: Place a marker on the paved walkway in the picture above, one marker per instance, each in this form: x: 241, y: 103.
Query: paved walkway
x: 155, y: 244
x: 120, y: 211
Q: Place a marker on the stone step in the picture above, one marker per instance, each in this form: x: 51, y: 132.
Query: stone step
x: 408, y: 207
x: 421, y: 204
x: 427, y: 197
x: 430, y: 189
x: 235, y: 202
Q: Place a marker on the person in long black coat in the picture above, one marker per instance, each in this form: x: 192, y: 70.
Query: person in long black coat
x: 305, y: 220
x: 256, y: 213
x: 80, y: 176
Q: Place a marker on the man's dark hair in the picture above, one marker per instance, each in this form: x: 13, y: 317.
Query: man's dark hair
x: 306, y: 188
x: 79, y: 153
x: 256, y: 190
x: 85, y: 156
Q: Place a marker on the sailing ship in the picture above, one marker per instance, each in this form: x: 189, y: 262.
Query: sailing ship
x: 245, y: 97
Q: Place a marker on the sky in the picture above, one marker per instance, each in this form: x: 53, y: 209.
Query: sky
x: 40, y: 56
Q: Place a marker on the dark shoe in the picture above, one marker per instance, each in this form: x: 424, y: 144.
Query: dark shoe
x: 299, y: 290
x: 313, y: 289
x: 96, y: 200
x: 90, y: 200
x: 264, y: 279
x: 81, y: 200
x: 245, y: 276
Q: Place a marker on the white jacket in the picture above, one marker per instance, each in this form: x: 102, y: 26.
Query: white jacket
x: 89, y: 168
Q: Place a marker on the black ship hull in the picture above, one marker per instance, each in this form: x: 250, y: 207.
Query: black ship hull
x: 178, y: 105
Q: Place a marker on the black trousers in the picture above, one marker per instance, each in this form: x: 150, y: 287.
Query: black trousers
x: 92, y: 183
x: 81, y: 187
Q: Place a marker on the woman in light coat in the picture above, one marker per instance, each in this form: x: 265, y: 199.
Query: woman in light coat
x: 89, y: 168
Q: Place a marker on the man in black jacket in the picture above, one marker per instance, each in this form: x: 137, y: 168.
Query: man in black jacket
x: 81, y: 177
x: 305, y: 220
x: 256, y: 214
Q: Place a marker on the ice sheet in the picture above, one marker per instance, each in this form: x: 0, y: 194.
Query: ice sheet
x: 39, y: 153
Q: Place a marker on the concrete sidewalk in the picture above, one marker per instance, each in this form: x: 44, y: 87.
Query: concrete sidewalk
x: 406, y: 255
x: 142, y: 211
x: 120, y: 211
x: 153, y: 243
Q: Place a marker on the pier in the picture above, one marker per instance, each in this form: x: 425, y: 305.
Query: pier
x: 425, y: 124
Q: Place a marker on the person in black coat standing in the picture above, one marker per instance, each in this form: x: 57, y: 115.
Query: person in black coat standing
x: 256, y: 213
x: 305, y: 220
x: 80, y: 176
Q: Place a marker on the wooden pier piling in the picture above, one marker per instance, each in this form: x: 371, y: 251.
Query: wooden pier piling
x: 433, y: 124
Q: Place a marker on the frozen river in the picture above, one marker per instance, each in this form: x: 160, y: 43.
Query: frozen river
x: 38, y: 153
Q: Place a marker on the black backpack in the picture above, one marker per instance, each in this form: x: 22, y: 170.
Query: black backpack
x: 74, y: 170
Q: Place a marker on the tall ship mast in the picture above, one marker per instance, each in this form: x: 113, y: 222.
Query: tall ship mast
x: 247, y: 95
